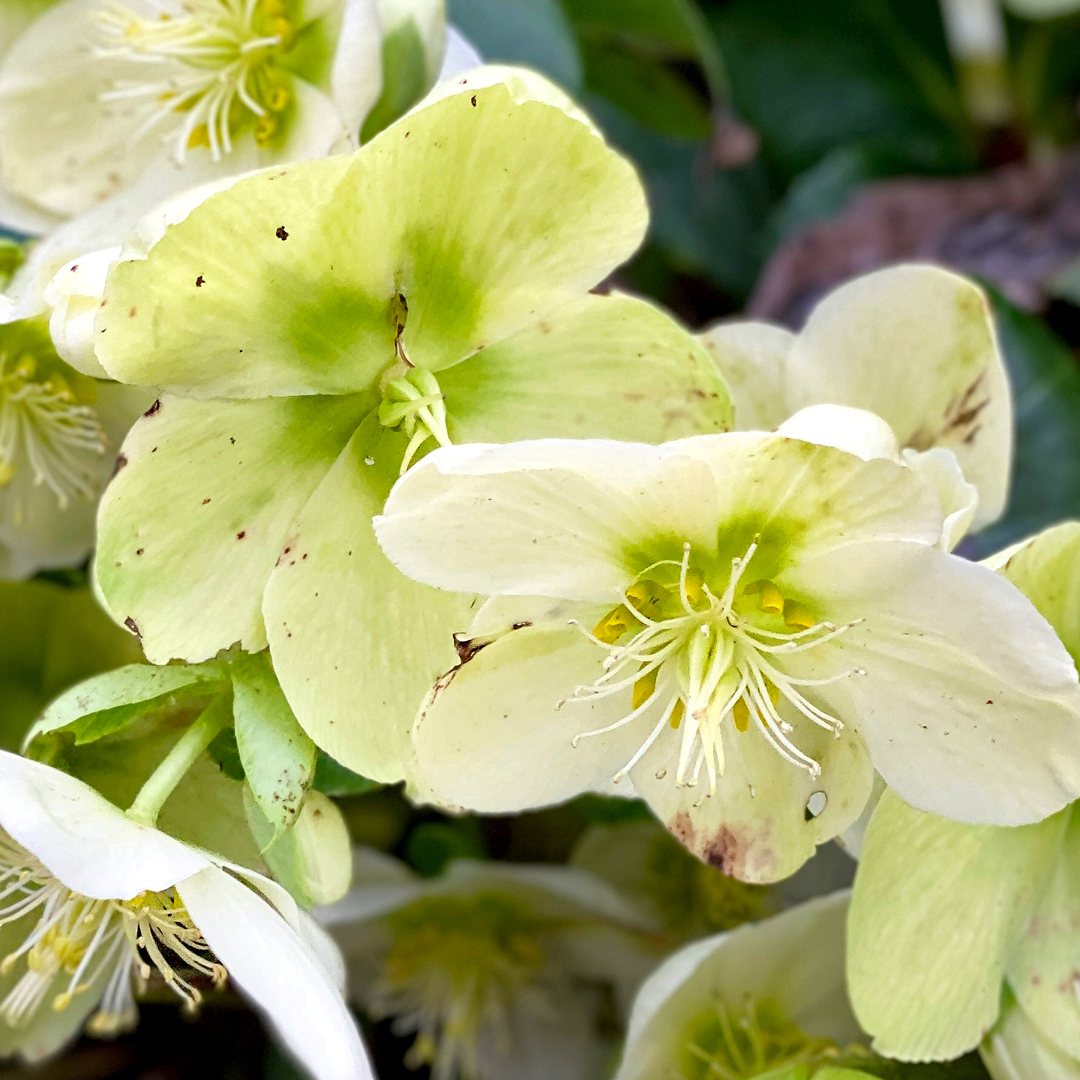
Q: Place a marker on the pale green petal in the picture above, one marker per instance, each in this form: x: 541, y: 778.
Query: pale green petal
x: 752, y: 357
x: 602, y: 367
x: 190, y: 529
x: 1046, y: 569
x: 356, y: 644
x: 1043, y: 971
x: 1017, y: 1050
x: 966, y: 699
x: 580, y: 519
x: 485, y: 727
x: 764, y: 820
x: 794, y: 960
x: 856, y: 431
x: 483, y: 218
x: 936, y: 914
x: 915, y: 344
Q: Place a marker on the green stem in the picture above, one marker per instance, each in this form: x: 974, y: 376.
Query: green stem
x: 188, y: 749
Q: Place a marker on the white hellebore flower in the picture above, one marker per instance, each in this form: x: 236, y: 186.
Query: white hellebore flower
x: 59, y: 434
x: 99, y: 94
x: 498, y: 971
x: 914, y: 344
x: 743, y: 625
x: 95, y: 905
x: 766, y: 996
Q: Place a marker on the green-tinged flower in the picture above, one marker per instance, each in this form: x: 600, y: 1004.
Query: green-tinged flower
x: 766, y: 999
x: 686, y: 897
x: 945, y: 915
x: 497, y: 971
x: 50, y: 638
x: 96, y: 905
x: 742, y: 627
x: 357, y: 311
x: 914, y: 344
x: 100, y: 98
x: 1017, y: 1050
x: 59, y: 435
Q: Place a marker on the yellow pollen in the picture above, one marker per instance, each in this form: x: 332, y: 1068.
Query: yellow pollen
x: 647, y: 597
x: 199, y: 137
x: 741, y: 715
x: 645, y: 687
x: 677, y: 714
x: 265, y: 128
x: 614, y: 624
x: 798, y: 615
x: 278, y: 98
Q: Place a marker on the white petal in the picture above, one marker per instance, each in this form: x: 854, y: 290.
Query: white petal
x: 278, y: 969
x: 959, y: 500
x: 970, y: 704
x: 795, y: 960
x: 75, y: 296
x: 752, y: 357
x: 460, y: 56
x: 356, y: 75
x: 857, y: 431
x: 85, y: 841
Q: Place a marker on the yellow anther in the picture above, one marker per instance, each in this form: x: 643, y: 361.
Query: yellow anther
x: 677, y: 714
x: 62, y: 1001
x: 798, y: 615
x: 647, y: 597
x: 614, y: 624
x: 278, y: 98
x: 695, y: 581
x: 8, y: 963
x: 281, y: 27
x: 200, y: 136
x: 265, y: 129
x: 25, y: 366
x: 770, y: 599
x: 741, y: 715
x: 645, y: 687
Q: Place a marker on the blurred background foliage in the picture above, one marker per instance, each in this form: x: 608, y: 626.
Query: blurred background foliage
x: 786, y: 147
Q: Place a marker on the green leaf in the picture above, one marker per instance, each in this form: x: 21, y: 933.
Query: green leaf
x: 1046, y: 393
x: 278, y: 758
x: 112, y: 700
x: 224, y: 751
x: 333, y: 778
x: 433, y: 845
x: 535, y: 33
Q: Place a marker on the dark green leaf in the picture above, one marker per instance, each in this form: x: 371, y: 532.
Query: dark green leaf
x: 332, y: 778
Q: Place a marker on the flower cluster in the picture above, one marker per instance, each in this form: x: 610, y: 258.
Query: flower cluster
x: 316, y: 359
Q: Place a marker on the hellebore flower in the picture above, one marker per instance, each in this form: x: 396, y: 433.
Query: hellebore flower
x: 743, y: 625
x: 355, y: 311
x: 95, y: 905
x: 59, y: 434
x: 98, y: 95
x: 1017, y: 1050
x: 498, y: 971
x: 765, y: 999
x: 914, y: 344
x: 945, y: 915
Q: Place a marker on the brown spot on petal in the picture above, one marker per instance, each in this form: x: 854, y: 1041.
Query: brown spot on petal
x: 133, y: 626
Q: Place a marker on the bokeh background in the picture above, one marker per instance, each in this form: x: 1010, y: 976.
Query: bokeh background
x: 786, y: 147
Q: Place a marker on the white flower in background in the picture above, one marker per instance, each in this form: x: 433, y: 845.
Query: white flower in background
x: 743, y: 626
x: 95, y: 906
x: 766, y: 996
x: 914, y: 344
x: 500, y: 972
x: 99, y: 94
x: 59, y: 434
x: 1017, y: 1049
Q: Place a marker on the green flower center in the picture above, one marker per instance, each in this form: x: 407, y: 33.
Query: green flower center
x: 730, y: 1044
x: 705, y: 658
x: 455, y: 969
x: 46, y: 425
x: 413, y: 403
x: 73, y: 942
x: 211, y: 71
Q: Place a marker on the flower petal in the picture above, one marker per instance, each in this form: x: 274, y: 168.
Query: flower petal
x: 794, y: 960
x: 916, y: 345
x: 752, y: 358
x: 355, y: 643
x: 935, y: 915
x: 274, y: 965
x: 190, y: 529
x: 302, y: 268
x: 1043, y: 973
x: 486, y: 725
x: 580, y: 519
x: 602, y: 367
x: 970, y: 706
x: 85, y: 841
x: 1017, y: 1050
x: 763, y: 822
